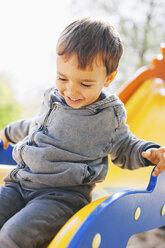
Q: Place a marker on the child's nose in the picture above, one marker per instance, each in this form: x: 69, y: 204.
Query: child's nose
x: 71, y: 89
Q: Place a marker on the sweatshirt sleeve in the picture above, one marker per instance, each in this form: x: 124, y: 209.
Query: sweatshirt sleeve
x: 16, y: 131
x: 126, y: 148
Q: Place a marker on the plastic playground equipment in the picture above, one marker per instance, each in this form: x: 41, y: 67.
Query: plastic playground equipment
x: 127, y: 202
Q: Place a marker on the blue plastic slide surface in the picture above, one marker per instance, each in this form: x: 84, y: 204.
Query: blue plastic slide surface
x: 6, y: 155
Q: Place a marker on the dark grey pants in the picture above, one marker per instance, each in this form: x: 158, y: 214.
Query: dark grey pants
x: 31, y: 218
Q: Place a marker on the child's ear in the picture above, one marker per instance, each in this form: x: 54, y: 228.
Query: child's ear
x: 110, y: 78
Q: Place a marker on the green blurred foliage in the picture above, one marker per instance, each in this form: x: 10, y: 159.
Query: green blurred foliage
x: 10, y: 110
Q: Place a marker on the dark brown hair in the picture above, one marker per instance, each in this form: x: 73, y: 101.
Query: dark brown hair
x: 88, y: 38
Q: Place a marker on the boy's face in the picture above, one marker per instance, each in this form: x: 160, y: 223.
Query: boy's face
x: 80, y: 87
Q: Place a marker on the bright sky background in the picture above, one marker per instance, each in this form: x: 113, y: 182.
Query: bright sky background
x: 29, y: 30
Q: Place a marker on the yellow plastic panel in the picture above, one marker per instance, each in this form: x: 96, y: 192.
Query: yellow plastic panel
x: 146, y: 111
x: 72, y: 225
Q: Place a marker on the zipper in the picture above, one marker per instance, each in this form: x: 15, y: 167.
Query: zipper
x: 32, y: 137
x: 46, y: 118
x: 43, y: 126
x: 13, y: 172
x: 21, y: 151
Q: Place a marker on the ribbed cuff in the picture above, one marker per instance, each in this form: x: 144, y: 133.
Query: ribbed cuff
x: 7, y: 137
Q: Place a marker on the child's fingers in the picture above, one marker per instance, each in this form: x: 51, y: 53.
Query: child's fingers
x: 146, y: 154
x: 158, y: 170
x: 157, y: 157
x: 155, y: 172
x: 161, y: 166
x: 152, y: 155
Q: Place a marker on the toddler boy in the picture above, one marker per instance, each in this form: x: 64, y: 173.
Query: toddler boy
x: 62, y: 152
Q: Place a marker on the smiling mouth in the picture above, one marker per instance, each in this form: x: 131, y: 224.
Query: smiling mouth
x: 74, y: 100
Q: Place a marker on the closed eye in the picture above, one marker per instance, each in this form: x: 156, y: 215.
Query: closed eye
x: 86, y: 85
x: 62, y: 79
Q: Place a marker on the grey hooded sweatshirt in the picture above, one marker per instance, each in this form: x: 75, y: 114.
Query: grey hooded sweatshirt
x: 66, y: 147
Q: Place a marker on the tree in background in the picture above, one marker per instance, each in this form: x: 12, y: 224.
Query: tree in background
x: 10, y: 110
x: 140, y: 23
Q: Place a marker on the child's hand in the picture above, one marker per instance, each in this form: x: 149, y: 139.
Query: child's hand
x: 157, y: 157
x: 3, y: 138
